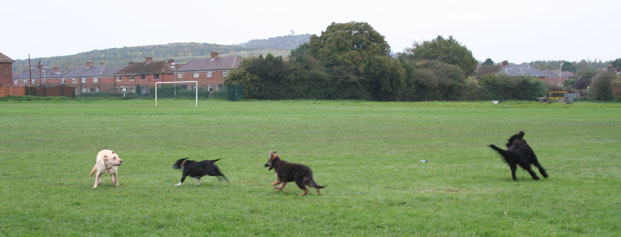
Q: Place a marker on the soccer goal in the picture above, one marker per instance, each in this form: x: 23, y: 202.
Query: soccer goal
x: 179, y: 82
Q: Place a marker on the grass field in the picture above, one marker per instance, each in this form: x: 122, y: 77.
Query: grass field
x: 367, y: 154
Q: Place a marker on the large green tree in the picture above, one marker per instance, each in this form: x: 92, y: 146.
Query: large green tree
x: 347, y: 51
x: 445, y: 50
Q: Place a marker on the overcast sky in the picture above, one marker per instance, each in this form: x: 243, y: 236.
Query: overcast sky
x: 518, y: 31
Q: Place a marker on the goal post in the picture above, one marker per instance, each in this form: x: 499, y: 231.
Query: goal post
x: 178, y: 82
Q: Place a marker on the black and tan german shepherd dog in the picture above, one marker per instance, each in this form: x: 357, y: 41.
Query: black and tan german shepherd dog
x: 519, y: 153
x: 287, y: 172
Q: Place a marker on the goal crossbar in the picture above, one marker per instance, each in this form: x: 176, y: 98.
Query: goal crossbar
x: 178, y: 82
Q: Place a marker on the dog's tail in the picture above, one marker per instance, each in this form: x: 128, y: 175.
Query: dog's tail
x: 214, y: 161
x: 498, y: 149
x: 93, y: 170
x: 315, y: 185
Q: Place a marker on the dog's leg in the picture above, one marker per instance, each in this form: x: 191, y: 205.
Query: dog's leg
x: 304, y: 193
x: 541, y: 170
x: 181, y: 182
x: 302, y: 185
x: 530, y: 171
x: 277, y: 182
x: 97, y: 180
x: 114, y: 179
x: 513, y: 167
x: 198, y: 180
x: 282, y: 186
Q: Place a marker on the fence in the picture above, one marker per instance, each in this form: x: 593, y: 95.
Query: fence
x: 61, y: 90
x: 227, y: 92
x: 11, y: 91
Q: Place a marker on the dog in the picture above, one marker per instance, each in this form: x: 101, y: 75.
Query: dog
x: 198, y: 169
x: 519, y: 153
x: 287, y: 172
x: 107, y: 161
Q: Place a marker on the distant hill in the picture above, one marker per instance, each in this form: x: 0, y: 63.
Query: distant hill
x: 289, y: 42
x: 180, y: 52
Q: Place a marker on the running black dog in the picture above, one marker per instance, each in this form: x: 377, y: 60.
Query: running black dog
x: 287, y: 172
x: 198, y: 169
x: 519, y: 153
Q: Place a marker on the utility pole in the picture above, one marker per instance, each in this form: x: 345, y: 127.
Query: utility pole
x: 29, y: 71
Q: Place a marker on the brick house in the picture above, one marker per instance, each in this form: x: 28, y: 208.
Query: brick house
x: 6, y: 75
x: 550, y: 77
x: 90, y: 78
x: 144, y: 74
x: 209, y: 72
x: 39, y: 76
x: 6, y: 70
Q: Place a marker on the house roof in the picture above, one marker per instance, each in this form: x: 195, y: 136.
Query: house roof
x: 516, y: 70
x: 205, y: 64
x: 563, y: 74
x: 94, y: 71
x: 155, y: 67
x: 5, y: 59
x: 49, y: 73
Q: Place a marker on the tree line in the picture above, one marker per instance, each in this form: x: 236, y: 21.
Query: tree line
x: 352, y: 61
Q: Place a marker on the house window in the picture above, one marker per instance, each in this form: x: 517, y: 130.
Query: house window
x: 218, y: 87
x: 83, y: 79
x: 131, y: 78
x: 209, y: 88
x: 15, y: 82
x: 225, y: 73
x: 94, y: 79
x: 196, y: 75
x: 209, y: 74
x: 32, y: 82
x: 118, y: 78
x: 64, y: 81
x: 142, y: 77
x: 180, y: 75
x: 156, y: 76
x: 73, y: 80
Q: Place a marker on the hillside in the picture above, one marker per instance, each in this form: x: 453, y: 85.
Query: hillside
x: 181, y: 52
x: 289, y: 42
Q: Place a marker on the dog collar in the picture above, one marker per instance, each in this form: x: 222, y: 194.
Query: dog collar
x: 182, y: 163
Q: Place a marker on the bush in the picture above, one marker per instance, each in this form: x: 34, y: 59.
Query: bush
x: 503, y: 87
x: 602, y: 86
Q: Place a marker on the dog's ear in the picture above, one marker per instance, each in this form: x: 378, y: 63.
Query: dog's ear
x: 521, y: 134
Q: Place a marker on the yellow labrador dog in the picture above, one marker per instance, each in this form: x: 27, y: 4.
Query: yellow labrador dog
x: 107, y: 162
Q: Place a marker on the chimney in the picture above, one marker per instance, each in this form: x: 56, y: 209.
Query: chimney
x: 149, y: 60
x: 56, y: 70
x: 214, y: 55
x: 89, y: 63
x: 40, y: 66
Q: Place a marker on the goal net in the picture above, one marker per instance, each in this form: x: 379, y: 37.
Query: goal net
x: 194, y: 83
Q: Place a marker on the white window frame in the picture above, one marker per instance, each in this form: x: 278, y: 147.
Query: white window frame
x: 83, y: 79
x: 73, y: 81
x: 195, y: 75
x: 209, y: 74
x: 15, y: 82
x: 95, y: 79
x: 180, y: 75
x: 118, y: 78
x: 225, y: 73
x: 132, y: 78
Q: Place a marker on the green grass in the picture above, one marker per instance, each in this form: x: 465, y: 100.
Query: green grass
x: 365, y: 153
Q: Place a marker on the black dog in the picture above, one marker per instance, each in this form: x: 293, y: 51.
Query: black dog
x: 287, y: 172
x: 519, y: 153
x: 198, y: 169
